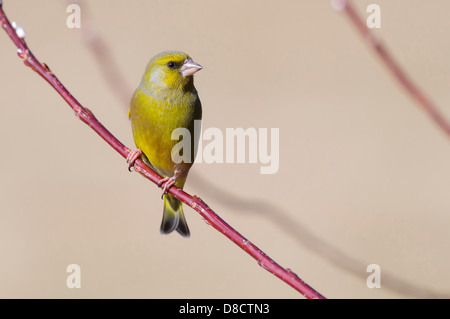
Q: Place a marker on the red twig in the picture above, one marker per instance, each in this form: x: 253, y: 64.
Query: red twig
x: 195, y: 202
x: 427, y: 105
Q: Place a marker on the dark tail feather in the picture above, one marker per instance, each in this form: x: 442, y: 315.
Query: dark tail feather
x: 173, y: 217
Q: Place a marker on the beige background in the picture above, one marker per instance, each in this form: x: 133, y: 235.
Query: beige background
x: 364, y: 174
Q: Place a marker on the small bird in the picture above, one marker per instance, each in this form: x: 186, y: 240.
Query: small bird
x: 165, y: 100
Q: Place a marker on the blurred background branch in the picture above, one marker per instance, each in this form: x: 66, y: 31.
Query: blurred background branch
x: 392, y: 65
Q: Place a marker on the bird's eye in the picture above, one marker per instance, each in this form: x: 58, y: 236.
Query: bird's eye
x: 171, y: 64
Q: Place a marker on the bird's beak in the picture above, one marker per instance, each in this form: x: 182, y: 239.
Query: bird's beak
x: 189, y: 67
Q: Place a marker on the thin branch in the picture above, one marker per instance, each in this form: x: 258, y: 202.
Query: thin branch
x: 17, y: 36
x: 415, y: 93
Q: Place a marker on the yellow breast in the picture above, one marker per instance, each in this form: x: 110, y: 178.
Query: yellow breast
x: 154, y: 116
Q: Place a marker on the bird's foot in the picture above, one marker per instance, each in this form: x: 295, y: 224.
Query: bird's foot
x: 132, y: 157
x: 168, y: 182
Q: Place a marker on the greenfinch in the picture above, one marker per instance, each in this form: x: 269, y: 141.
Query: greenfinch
x: 165, y: 100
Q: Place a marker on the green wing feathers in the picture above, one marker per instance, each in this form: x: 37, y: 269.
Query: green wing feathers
x: 173, y: 217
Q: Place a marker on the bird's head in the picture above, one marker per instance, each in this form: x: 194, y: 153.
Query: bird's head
x: 171, y: 70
